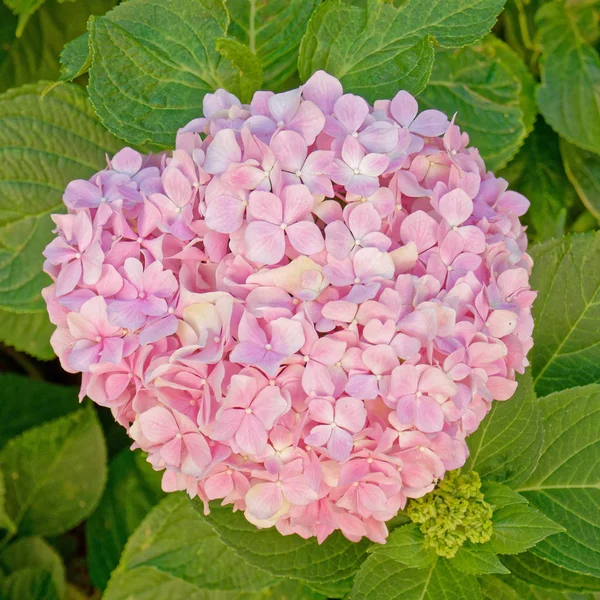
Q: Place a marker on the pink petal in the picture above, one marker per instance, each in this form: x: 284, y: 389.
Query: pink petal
x: 380, y: 359
x: 429, y: 416
x: 381, y: 136
x: 222, y: 152
x: 308, y: 122
x: 265, y: 206
x: 363, y: 220
x: 264, y: 500
x: 370, y: 262
x: 226, y: 424
x: 321, y: 411
x: 287, y: 336
x: 340, y: 444
x: 322, y: 89
x: 297, y: 203
x: 352, y: 152
x: 351, y: 111
x: 338, y: 240
x: 251, y: 436
x: 298, y: 492
x: 127, y: 161
x: 350, y: 413
x: 265, y: 242
x: 319, y: 435
x: 68, y: 278
x: 177, y: 187
x: 306, y: 237
x: 327, y: 350
x: 419, y: 228
x: 363, y: 386
x: 290, y: 150
x: 404, y: 108
x: 456, y: 207
x: 269, y: 405
x: 158, y: 425
x: 225, y: 214
x: 430, y: 123
x: 374, y: 165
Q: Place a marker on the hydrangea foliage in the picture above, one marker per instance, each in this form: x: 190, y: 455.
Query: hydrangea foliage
x: 302, y: 310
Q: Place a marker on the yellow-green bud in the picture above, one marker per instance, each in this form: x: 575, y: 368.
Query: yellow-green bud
x: 454, y: 512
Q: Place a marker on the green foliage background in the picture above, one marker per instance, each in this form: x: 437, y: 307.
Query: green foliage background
x: 81, y: 516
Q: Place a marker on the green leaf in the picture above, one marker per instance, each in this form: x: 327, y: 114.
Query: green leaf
x: 29, y: 584
x: 75, y: 59
x: 152, y: 64
x: 55, y: 473
x: 23, y: 9
x: 518, y: 527
x: 583, y: 170
x: 34, y: 552
x: 537, y: 173
x: 290, y: 589
x: 491, y: 90
x: 327, y: 568
x: 541, y: 573
x: 44, y: 144
x: 511, y: 588
x: 507, y: 445
x: 35, y: 55
x: 567, y: 313
x: 570, y: 71
x: 146, y: 583
x: 132, y: 489
x: 384, y: 578
x: 175, y: 541
x: 396, y: 42
x: 499, y: 495
x: 272, y: 29
x: 27, y: 403
x: 477, y: 559
x: 405, y: 545
x: 566, y: 484
x: 5, y: 521
x: 28, y: 332
x: 251, y: 73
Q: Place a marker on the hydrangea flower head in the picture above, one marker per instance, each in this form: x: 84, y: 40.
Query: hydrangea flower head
x: 303, y: 310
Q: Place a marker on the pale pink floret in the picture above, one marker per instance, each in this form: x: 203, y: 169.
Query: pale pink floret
x: 303, y: 310
x: 248, y: 414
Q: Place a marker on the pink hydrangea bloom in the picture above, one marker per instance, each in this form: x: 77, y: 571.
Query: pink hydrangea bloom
x: 303, y: 310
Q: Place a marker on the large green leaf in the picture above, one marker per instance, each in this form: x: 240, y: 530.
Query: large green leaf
x: 132, y: 489
x: 518, y: 527
x: 328, y: 567
x: 55, y: 473
x: 376, y: 48
x: 512, y: 588
x: 28, y: 332
x: 507, y: 445
x: 174, y: 541
x: 478, y: 559
x: 384, y: 578
x: 35, y: 54
x: 29, y: 584
x: 566, y: 484
x: 537, y: 173
x: 566, y: 312
x: 152, y: 64
x: 540, y: 573
x: 492, y: 92
x: 44, y: 144
x: 583, y: 170
x: 570, y: 70
x: 6, y: 522
x: 405, y: 545
x: 27, y: 403
x: 272, y: 29
x: 146, y: 583
x: 35, y: 553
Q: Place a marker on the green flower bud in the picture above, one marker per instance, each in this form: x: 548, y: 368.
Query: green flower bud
x: 454, y: 512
